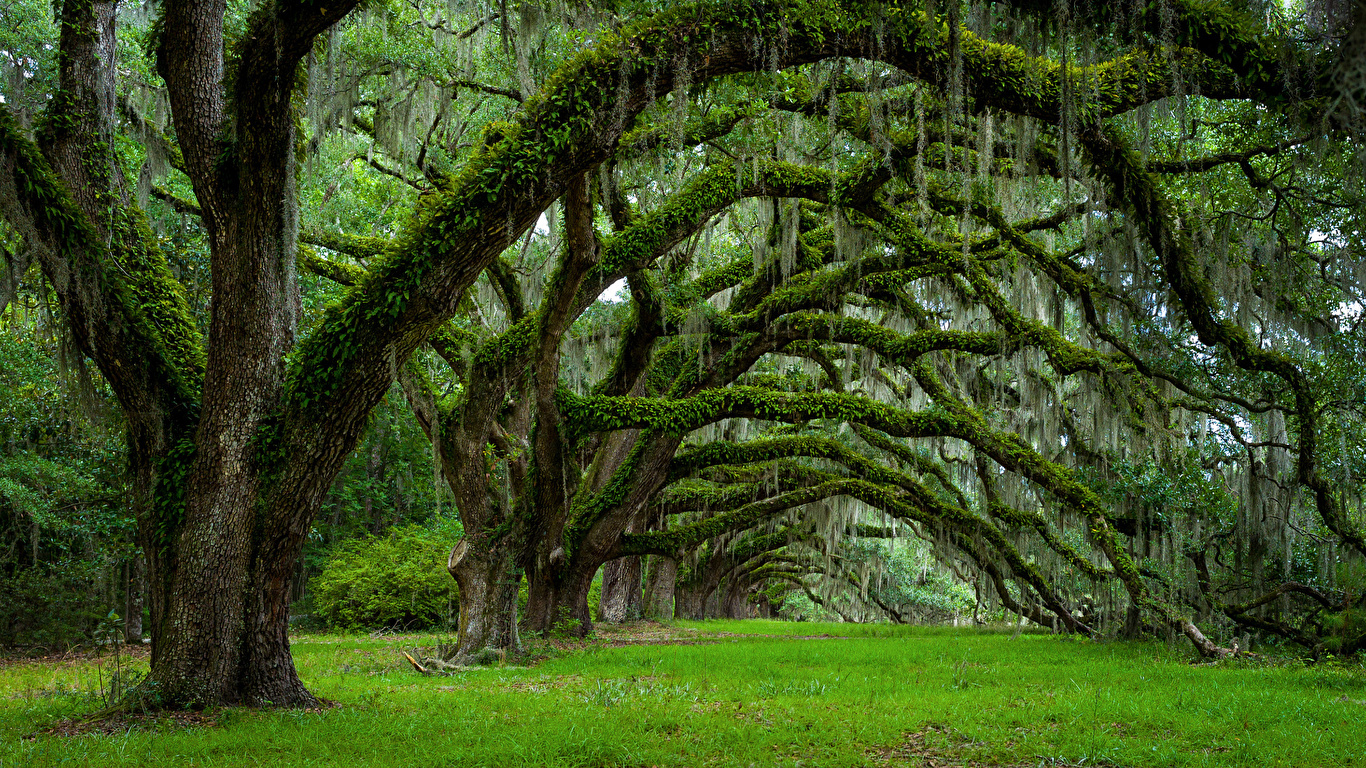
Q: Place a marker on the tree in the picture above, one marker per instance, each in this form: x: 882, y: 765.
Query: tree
x: 235, y: 440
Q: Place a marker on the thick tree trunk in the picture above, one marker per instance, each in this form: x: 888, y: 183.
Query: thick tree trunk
x: 560, y: 605
x: 690, y: 601
x: 736, y: 601
x: 659, y: 587
x: 488, y: 583
x: 224, y: 634
x: 621, y: 595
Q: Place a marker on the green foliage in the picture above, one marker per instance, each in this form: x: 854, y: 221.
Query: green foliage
x: 746, y: 693
x: 395, y: 580
x: 61, y: 484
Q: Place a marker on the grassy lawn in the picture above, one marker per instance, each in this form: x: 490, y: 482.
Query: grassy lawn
x: 740, y: 694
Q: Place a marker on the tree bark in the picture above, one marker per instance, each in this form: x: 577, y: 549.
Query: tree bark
x: 690, y: 601
x: 659, y: 590
x: 488, y: 581
x: 223, y: 637
x: 559, y: 605
x: 621, y: 590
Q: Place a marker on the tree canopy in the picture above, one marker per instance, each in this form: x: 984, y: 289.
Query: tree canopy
x: 1065, y: 300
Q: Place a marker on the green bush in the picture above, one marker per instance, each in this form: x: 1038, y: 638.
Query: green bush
x: 53, y: 607
x: 395, y: 580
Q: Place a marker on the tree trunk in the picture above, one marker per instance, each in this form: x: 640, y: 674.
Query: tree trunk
x: 224, y: 635
x: 488, y: 583
x: 737, y: 605
x: 659, y: 589
x: 559, y: 604
x: 135, y: 587
x: 621, y: 596
x: 690, y: 601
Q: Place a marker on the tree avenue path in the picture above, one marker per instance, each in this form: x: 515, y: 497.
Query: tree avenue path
x: 736, y: 693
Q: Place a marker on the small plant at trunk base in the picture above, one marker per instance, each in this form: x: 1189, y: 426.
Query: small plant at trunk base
x: 121, y: 678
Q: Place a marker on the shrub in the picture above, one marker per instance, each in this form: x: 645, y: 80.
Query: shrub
x: 395, y: 580
x: 54, y: 607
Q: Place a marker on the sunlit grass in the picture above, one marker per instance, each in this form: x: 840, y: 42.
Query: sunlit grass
x: 846, y: 700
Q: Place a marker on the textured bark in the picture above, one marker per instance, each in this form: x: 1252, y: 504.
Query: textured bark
x: 659, y: 587
x: 559, y: 604
x: 737, y: 604
x: 621, y: 590
x: 690, y: 601
x: 482, y: 563
x: 488, y: 581
x: 224, y: 633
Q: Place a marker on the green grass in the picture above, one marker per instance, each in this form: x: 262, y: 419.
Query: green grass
x: 738, y: 701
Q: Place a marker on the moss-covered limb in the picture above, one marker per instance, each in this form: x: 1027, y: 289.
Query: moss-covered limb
x: 823, y: 356
x: 1231, y: 33
x: 177, y: 203
x: 1005, y: 77
x: 757, y: 474
x: 707, y: 194
x: 685, y: 537
x: 1067, y: 551
x: 922, y: 463
x: 700, y: 129
x: 446, y: 341
x: 421, y: 397
x: 362, y: 249
x: 738, y: 353
x: 759, y: 285
x: 336, y: 271
x: 865, y: 531
x: 678, y: 416
x: 726, y: 557
x: 1065, y: 356
x: 1264, y: 58
x: 817, y: 447
x: 509, y: 291
x: 765, y: 298
x: 719, y: 278
x: 710, y: 499
x: 898, y: 348
x: 1137, y: 193
x: 127, y: 310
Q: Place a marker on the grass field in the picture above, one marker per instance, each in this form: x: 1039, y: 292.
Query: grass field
x: 740, y: 694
